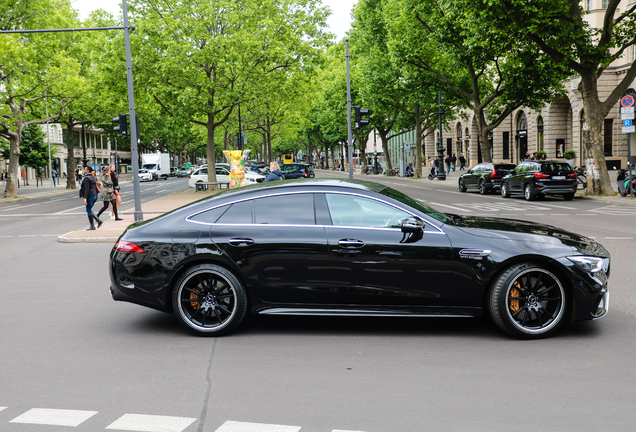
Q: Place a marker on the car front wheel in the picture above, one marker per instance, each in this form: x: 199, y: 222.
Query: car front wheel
x: 528, y: 301
x: 209, y: 300
x: 505, y: 191
x: 462, y: 186
x: 482, y: 187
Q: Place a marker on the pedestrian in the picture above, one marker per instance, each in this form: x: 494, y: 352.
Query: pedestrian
x: 274, y: 172
x: 448, y: 164
x: 108, y: 194
x: 534, y: 156
x: 78, y: 175
x: 462, y: 161
x: 88, y: 191
x: 4, y: 178
x: 113, y: 176
x: 454, y: 160
x: 53, y: 176
x: 526, y: 156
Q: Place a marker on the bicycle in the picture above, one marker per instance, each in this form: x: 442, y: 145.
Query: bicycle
x: 581, y: 180
x: 393, y: 172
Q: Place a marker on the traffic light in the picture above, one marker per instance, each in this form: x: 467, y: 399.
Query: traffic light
x: 360, y: 122
x: 122, y: 124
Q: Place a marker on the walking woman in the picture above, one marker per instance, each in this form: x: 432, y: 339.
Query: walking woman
x: 88, y: 191
x: 113, y: 176
x: 108, y: 194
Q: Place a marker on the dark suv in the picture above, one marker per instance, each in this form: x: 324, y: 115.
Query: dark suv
x: 297, y: 170
x: 486, y: 177
x: 540, y: 178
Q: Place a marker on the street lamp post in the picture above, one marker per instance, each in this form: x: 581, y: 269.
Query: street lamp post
x: 83, y: 138
x: 441, y: 175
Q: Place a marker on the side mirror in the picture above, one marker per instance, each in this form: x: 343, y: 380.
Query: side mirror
x: 412, y: 224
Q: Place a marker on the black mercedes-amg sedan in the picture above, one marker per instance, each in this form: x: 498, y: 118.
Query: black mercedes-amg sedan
x: 349, y: 248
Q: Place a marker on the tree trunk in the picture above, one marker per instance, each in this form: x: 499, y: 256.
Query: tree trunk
x: 385, y: 149
x: 418, y: 142
x: 211, y: 126
x: 13, y: 175
x: 70, y: 170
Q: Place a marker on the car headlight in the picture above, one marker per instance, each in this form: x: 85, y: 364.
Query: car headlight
x: 588, y: 264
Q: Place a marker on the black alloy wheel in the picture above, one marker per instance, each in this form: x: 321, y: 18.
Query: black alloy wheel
x: 462, y: 187
x: 527, y: 192
x: 482, y: 187
x: 209, y: 300
x: 528, y: 301
x: 505, y: 191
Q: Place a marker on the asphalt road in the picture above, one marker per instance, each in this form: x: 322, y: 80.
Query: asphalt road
x: 70, y: 357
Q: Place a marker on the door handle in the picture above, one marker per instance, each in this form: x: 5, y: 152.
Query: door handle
x: 351, y: 243
x: 241, y: 241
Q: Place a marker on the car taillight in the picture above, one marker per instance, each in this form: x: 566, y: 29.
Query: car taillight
x: 541, y: 175
x: 304, y: 174
x: 124, y: 246
x: 573, y: 175
x: 494, y: 174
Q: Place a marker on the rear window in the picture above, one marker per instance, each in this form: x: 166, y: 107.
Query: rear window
x: 555, y: 166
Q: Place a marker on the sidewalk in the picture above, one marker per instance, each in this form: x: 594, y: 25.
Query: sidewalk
x: 111, y: 230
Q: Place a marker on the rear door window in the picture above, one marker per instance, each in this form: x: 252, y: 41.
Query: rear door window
x: 293, y: 209
x: 238, y: 213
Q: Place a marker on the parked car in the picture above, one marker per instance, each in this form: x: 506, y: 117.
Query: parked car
x: 352, y: 248
x: 173, y: 171
x: 540, y: 178
x: 145, y: 175
x: 486, y: 177
x: 222, y: 175
x: 184, y: 172
x: 297, y: 170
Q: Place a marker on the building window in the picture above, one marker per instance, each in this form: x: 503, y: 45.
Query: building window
x: 608, y: 126
x: 604, y: 4
x: 632, y: 53
x: 540, y: 133
x: 506, y: 145
x: 589, y: 5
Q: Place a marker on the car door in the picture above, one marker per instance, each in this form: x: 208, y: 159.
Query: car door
x: 374, y: 263
x: 515, y: 180
x: 222, y: 175
x: 275, y: 242
x: 470, y: 178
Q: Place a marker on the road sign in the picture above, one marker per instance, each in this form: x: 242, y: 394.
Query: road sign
x: 629, y: 129
x: 627, y: 116
x: 625, y: 110
x: 627, y: 123
x: 407, y: 146
x: 627, y: 101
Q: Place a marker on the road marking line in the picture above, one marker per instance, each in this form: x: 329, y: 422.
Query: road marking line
x: 54, y: 417
x: 619, y: 238
x: 586, y: 214
x: 535, y: 214
x: 20, y: 206
x: 28, y: 235
x: 233, y: 426
x: 453, y: 207
x: 151, y: 423
x: 560, y: 214
x: 342, y: 430
x: 1, y: 408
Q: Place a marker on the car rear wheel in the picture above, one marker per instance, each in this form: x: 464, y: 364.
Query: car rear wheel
x: 482, y: 187
x: 462, y: 187
x: 528, y: 301
x: 505, y: 191
x: 209, y: 300
x: 527, y: 192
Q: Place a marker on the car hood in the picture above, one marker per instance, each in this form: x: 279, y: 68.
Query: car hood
x: 516, y: 230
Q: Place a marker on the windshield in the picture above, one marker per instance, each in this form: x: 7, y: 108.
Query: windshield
x: 150, y: 166
x: 399, y: 196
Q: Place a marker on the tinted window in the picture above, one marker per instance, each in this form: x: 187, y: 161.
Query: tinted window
x: 556, y: 166
x: 238, y: 213
x: 407, y: 200
x: 221, y: 171
x: 351, y: 210
x: 210, y: 216
x: 296, y: 209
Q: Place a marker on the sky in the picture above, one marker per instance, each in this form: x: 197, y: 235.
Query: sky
x: 339, y: 21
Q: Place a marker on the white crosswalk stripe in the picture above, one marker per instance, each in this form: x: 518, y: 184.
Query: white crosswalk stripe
x: 234, y: 426
x: 617, y: 210
x: 54, y: 417
x: 151, y: 423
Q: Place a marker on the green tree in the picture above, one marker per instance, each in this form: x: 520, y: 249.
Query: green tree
x: 560, y: 29
x: 493, y: 70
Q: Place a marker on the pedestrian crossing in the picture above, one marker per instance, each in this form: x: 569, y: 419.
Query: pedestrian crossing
x: 139, y: 422
x: 528, y: 209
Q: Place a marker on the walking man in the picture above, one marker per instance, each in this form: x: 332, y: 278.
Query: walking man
x: 88, y: 191
x: 53, y: 176
x: 462, y: 161
x: 4, y: 178
x: 454, y: 160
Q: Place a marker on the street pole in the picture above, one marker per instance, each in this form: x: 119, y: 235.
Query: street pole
x: 83, y: 139
x: 350, y: 142
x: 629, y: 165
x: 48, y: 140
x: 134, y: 133
x: 441, y: 175
x: 375, y: 154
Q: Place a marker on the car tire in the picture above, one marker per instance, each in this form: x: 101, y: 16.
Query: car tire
x: 209, y: 300
x: 528, y: 301
x: 568, y: 197
x: 462, y: 187
x: 505, y: 191
x: 482, y: 187
x: 527, y: 192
